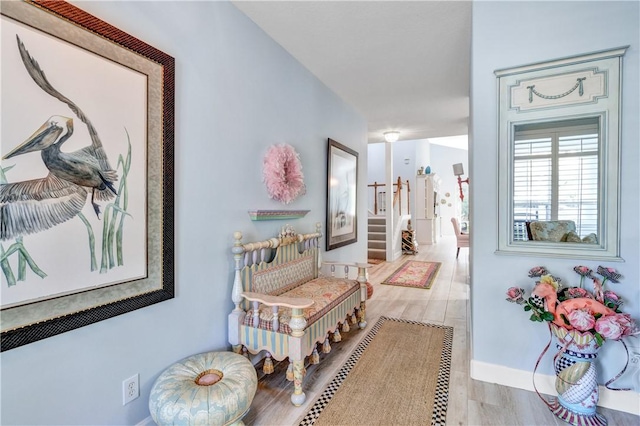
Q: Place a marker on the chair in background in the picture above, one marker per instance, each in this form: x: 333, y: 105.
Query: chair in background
x: 463, y: 239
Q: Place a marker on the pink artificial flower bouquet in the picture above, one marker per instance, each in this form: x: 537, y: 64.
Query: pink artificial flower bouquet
x: 594, y: 313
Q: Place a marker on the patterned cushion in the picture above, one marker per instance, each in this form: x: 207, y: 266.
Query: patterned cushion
x: 326, y: 292
x: 552, y: 230
x: 277, y: 280
x: 572, y: 237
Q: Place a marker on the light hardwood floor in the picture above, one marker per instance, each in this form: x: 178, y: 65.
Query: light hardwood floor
x: 470, y: 402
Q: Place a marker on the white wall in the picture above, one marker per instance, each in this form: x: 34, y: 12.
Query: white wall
x: 421, y: 153
x: 377, y: 160
x: 401, y: 151
x: 507, y: 34
x: 237, y: 92
x: 444, y: 158
x: 375, y: 170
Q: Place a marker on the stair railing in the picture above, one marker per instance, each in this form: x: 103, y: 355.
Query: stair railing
x: 401, y: 190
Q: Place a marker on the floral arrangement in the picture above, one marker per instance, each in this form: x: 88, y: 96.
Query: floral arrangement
x: 594, y: 313
x: 282, y: 173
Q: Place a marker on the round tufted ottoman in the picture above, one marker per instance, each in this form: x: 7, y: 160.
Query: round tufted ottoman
x: 213, y: 388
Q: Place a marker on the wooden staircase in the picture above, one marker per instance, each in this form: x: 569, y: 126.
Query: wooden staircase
x: 377, y: 238
x: 377, y: 225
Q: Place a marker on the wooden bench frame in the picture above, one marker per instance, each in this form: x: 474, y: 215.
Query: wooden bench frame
x: 285, y: 252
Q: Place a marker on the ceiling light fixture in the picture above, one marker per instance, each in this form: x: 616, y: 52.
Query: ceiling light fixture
x: 391, y: 136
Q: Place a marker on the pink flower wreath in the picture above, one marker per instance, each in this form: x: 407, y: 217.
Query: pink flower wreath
x: 282, y: 173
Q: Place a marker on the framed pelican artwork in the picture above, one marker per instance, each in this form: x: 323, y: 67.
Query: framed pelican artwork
x: 86, y: 171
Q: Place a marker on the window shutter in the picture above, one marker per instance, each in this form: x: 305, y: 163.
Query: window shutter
x: 532, y: 179
x: 578, y: 182
x: 556, y: 176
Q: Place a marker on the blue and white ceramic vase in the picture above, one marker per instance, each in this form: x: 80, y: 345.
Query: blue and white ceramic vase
x: 576, y: 378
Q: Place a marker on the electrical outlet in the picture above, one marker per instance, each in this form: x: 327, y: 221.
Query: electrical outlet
x: 634, y: 358
x: 634, y: 366
x: 130, y: 389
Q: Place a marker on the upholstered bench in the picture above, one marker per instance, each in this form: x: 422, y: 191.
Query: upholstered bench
x: 213, y: 388
x: 284, y: 307
x: 326, y: 293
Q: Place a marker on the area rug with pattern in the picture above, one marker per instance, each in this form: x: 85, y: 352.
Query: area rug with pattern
x: 397, y: 375
x: 414, y: 273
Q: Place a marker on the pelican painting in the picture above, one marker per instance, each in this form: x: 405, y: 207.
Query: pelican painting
x: 33, y: 206
x: 64, y: 176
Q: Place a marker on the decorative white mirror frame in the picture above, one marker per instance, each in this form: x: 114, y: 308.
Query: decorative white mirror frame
x: 584, y: 86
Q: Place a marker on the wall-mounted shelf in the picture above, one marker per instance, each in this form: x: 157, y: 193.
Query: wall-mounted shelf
x: 277, y: 214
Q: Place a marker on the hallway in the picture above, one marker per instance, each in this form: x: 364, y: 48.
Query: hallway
x: 447, y: 302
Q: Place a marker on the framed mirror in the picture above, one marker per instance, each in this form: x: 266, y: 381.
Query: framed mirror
x: 559, y: 139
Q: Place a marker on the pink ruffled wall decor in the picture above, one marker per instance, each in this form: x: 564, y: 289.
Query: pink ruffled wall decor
x: 282, y: 173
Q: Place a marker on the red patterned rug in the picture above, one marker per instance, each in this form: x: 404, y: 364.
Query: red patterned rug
x: 414, y: 273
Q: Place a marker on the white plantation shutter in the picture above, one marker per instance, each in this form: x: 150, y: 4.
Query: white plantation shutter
x: 578, y: 181
x: 532, y: 187
x: 556, y: 175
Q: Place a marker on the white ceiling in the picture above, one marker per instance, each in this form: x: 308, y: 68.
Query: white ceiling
x: 404, y: 65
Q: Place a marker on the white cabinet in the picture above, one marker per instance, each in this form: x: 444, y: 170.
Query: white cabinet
x: 427, y: 220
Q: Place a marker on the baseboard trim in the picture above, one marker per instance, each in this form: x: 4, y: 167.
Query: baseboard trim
x: 627, y: 401
x: 147, y: 421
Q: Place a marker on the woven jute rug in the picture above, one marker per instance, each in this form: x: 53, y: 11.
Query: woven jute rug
x: 398, y: 375
x: 414, y: 273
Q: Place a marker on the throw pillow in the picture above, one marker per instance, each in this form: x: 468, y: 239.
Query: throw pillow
x: 571, y: 237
